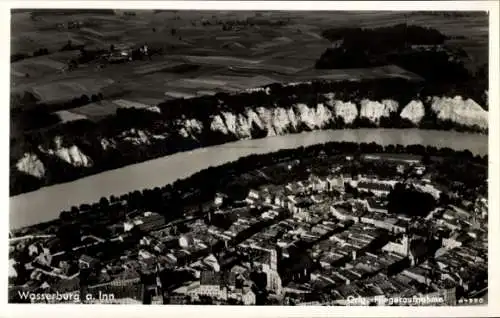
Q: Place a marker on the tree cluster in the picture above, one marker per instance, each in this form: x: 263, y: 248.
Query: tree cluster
x: 406, y: 200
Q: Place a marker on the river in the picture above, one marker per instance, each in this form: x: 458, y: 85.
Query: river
x: 46, y: 203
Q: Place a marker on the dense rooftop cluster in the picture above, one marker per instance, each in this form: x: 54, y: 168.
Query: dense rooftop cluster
x: 322, y: 238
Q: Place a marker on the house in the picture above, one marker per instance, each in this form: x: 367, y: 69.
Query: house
x: 253, y: 194
x: 86, y: 261
x: 143, y: 254
x: 12, y: 269
x: 33, y: 249
x: 212, y: 262
x: 127, y: 226
x: 317, y: 184
x: 186, y: 241
x: 456, y: 240
x: 44, y: 258
x: 280, y: 200
x: 211, y: 284
x: 145, y: 241
x: 248, y: 296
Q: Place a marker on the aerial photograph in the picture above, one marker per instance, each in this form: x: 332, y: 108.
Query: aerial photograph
x: 281, y: 158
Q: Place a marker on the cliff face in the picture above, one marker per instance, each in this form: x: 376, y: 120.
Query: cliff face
x: 190, y: 128
x: 414, y: 111
x: 345, y: 110
x: 107, y: 144
x: 70, y: 153
x: 31, y: 164
x: 465, y: 112
x: 374, y: 110
x: 279, y: 121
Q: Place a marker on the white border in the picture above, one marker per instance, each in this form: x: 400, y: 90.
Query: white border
x: 493, y: 308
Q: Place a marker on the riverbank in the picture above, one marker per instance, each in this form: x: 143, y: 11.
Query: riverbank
x: 46, y: 203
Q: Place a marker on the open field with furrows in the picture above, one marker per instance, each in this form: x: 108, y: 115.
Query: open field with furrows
x: 96, y: 111
x: 68, y: 89
x: 124, y: 103
x: 199, y: 55
x: 67, y: 116
x: 37, y: 67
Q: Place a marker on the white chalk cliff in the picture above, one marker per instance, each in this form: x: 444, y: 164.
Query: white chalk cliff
x: 70, y: 154
x: 414, y: 111
x: 31, y: 164
x: 465, y: 112
x: 374, y: 110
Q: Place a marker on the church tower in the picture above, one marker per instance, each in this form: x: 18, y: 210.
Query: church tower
x: 406, y: 244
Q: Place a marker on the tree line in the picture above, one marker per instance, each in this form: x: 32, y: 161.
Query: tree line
x: 384, y: 39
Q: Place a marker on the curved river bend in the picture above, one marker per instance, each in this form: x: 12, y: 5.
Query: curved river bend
x: 46, y: 203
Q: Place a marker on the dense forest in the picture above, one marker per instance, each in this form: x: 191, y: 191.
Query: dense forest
x: 420, y: 50
x: 188, y: 196
x: 88, y: 135
x: 384, y: 39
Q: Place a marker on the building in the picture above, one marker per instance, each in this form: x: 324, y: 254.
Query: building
x: 377, y: 188
x: 121, y: 289
x: 253, y: 194
x: 12, y: 269
x: 186, y: 241
x: 211, y: 284
x: 335, y: 183
x: 375, y: 206
x: 86, y: 261
x: 264, y: 256
x: 343, y: 215
x: 212, y: 262
x: 401, y: 248
x: 456, y: 240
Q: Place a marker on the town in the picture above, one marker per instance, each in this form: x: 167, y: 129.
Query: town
x: 325, y: 239
x: 236, y: 157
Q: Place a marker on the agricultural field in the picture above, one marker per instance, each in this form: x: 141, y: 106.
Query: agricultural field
x: 96, y: 111
x: 67, y: 89
x: 67, y: 116
x: 198, y: 52
x: 389, y: 71
x: 130, y: 104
